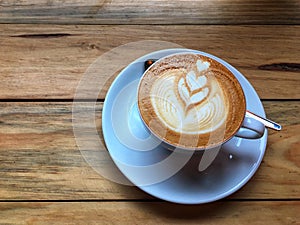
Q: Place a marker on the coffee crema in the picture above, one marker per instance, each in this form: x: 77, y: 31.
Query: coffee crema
x: 191, y: 101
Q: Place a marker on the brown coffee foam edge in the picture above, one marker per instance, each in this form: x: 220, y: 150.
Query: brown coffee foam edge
x: 191, y: 141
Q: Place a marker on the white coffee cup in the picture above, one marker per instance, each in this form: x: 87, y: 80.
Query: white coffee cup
x: 158, y: 79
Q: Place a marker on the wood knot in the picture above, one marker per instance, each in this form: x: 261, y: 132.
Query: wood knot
x: 289, y: 67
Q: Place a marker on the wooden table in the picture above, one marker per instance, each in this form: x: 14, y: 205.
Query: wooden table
x: 46, y: 46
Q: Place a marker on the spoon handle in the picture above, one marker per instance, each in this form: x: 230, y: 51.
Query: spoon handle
x: 268, y: 123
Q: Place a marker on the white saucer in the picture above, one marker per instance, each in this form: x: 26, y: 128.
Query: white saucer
x: 154, y: 168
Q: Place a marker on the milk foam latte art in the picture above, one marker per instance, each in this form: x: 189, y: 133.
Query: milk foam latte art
x: 191, y: 101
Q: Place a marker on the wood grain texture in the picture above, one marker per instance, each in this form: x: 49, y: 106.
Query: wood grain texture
x: 47, y: 47
x: 258, y: 213
x: 150, y: 12
x: 47, y: 61
x: 39, y: 159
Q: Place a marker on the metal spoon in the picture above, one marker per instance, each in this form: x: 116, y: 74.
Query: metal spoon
x: 268, y: 123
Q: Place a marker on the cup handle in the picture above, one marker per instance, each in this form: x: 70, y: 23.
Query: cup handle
x: 251, y: 129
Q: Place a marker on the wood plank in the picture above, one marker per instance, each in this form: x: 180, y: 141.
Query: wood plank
x: 40, y: 160
x: 150, y: 213
x: 150, y: 12
x: 47, y: 62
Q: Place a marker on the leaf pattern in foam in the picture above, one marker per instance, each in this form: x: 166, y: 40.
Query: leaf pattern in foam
x: 192, y: 89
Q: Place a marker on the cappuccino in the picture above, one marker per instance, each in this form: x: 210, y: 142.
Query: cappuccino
x: 191, y: 101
